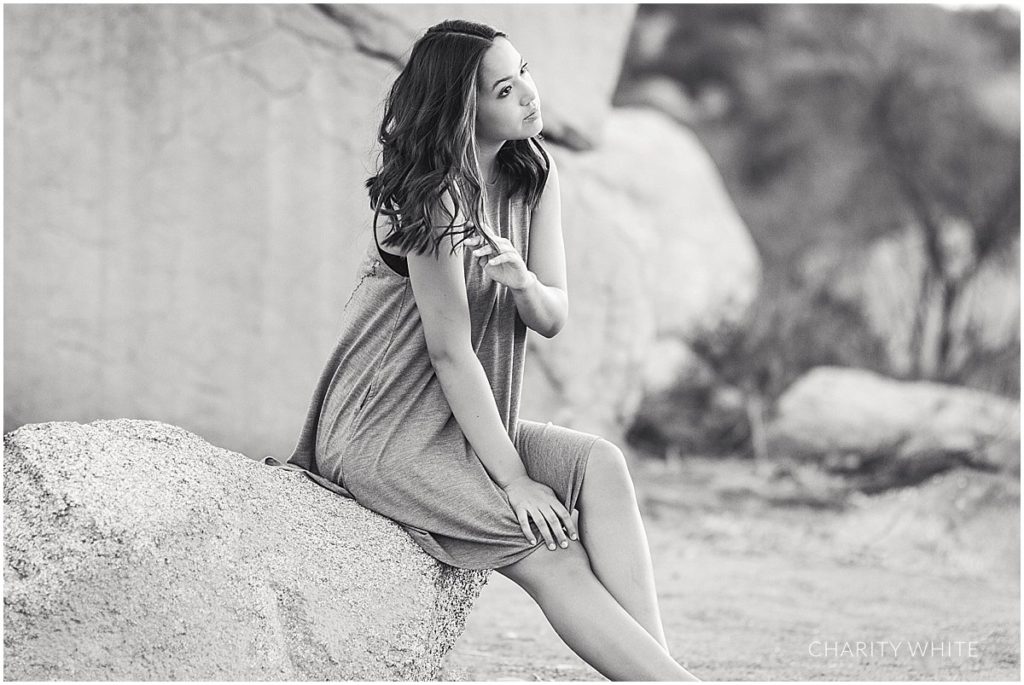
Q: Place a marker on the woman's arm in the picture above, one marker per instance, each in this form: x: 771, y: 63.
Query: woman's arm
x: 544, y: 308
x: 439, y: 288
x: 469, y: 394
x: 544, y: 303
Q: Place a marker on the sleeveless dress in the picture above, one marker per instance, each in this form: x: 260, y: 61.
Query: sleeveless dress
x: 380, y: 430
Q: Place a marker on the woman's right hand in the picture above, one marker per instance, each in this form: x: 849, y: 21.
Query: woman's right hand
x: 530, y: 499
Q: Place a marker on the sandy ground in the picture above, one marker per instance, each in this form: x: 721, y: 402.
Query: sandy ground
x: 752, y: 590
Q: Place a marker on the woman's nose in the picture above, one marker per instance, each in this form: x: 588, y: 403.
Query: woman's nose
x: 531, y: 95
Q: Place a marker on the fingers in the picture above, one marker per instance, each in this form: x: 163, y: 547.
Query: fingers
x: 500, y: 259
x: 524, y: 524
x: 543, y: 527
x: 523, y: 515
x: 482, y: 248
x: 481, y: 253
x: 555, y: 526
x: 485, y: 250
x: 506, y: 251
x: 483, y: 260
x: 547, y: 513
x: 551, y: 528
x: 566, y: 517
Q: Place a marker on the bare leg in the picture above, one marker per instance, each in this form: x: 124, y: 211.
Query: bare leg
x: 590, y: 621
x: 613, y: 534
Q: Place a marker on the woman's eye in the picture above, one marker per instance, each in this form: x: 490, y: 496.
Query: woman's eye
x: 502, y: 93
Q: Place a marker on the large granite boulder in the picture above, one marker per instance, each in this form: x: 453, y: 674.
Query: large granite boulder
x: 657, y: 257
x: 884, y: 433
x: 134, y: 550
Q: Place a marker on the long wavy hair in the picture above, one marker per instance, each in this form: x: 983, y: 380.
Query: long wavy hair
x: 427, y: 139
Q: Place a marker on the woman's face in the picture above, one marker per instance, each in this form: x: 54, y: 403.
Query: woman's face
x: 506, y: 96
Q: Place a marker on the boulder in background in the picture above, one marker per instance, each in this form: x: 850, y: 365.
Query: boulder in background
x: 657, y: 258
x: 889, y: 433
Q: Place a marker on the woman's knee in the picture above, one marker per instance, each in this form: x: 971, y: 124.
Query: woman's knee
x: 607, y: 473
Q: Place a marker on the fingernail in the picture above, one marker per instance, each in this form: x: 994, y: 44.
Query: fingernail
x: 551, y: 546
x: 573, y: 537
x: 565, y: 544
x: 533, y: 541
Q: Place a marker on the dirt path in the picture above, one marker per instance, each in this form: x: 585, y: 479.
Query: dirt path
x: 751, y: 591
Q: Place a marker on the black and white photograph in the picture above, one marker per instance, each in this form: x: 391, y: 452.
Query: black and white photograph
x: 512, y: 342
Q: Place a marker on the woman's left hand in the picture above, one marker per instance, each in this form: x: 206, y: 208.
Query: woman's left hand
x: 507, y: 267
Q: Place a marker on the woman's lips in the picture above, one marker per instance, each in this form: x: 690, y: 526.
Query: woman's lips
x: 532, y: 116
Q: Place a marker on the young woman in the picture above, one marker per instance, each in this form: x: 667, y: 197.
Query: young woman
x: 415, y: 414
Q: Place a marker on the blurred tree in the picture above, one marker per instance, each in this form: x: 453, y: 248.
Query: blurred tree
x: 841, y: 124
x: 859, y: 120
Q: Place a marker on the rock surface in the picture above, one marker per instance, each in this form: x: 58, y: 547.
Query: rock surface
x: 889, y: 433
x: 134, y: 550
x: 576, y: 78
